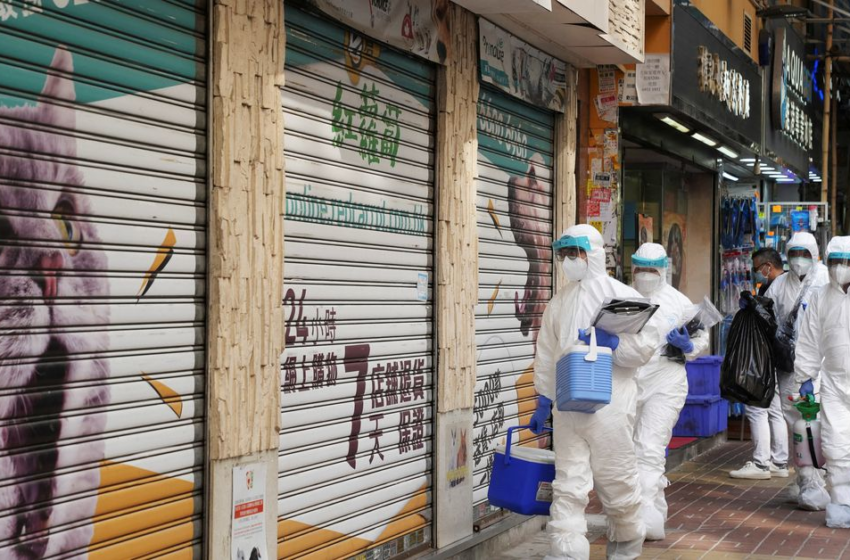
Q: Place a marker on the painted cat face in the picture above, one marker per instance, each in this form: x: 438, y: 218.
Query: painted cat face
x: 51, y: 305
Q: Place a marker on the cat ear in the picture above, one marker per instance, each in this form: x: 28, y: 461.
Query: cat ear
x: 59, y: 86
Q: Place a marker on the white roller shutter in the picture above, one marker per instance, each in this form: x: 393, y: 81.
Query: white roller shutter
x: 102, y: 278
x: 515, y: 208
x: 357, y: 389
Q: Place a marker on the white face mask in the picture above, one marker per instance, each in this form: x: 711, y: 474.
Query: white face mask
x: 575, y: 269
x: 800, y: 266
x: 840, y: 273
x: 647, y: 282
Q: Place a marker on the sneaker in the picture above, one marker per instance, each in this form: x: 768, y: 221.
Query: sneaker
x: 751, y: 471
x: 778, y: 472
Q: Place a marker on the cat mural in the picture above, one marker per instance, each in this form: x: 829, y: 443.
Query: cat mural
x: 50, y: 260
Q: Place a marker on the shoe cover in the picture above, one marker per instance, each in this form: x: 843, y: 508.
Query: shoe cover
x: 838, y: 516
x: 813, y: 495
x: 571, y: 546
x: 654, y: 522
x: 624, y: 550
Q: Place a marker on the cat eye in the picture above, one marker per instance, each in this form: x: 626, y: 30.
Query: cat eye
x: 68, y: 229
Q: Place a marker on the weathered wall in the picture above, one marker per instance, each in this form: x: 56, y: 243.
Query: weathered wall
x: 728, y: 16
x: 566, y: 148
x: 699, y: 241
x: 246, y: 228
x: 457, y: 236
x: 626, y: 24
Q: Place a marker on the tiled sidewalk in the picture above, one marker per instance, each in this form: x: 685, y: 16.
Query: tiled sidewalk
x: 714, y: 516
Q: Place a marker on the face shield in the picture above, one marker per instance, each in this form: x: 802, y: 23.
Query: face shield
x: 648, y: 273
x: 800, y: 261
x: 571, y: 252
x: 839, y: 268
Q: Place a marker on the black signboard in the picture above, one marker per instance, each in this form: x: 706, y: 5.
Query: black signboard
x: 789, y: 134
x: 714, y: 82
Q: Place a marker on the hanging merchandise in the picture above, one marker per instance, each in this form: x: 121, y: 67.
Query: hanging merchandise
x: 748, y: 374
x: 784, y: 219
x: 741, y: 232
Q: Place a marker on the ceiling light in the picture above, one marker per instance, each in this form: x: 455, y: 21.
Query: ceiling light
x: 729, y: 176
x: 704, y: 139
x: 785, y: 180
x: 766, y: 168
x: 675, y: 124
x: 748, y: 160
x: 818, y: 180
x: 727, y: 152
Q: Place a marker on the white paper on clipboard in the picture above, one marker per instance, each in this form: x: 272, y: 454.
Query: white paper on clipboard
x: 624, y: 316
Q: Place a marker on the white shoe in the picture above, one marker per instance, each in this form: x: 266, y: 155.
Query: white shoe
x: 778, y: 472
x: 751, y: 471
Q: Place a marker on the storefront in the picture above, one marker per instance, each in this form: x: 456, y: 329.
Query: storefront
x: 356, y: 454
x: 515, y: 203
x: 681, y: 157
x: 103, y: 124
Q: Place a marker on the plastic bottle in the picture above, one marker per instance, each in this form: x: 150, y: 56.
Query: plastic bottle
x: 808, y: 451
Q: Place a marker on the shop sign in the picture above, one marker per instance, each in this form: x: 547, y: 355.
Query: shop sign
x: 791, y: 93
x: 420, y: 27
x: 512, y: 65
x: 725, y: 84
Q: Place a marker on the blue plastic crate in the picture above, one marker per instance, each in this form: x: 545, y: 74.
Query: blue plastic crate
x: 702, y: 416
x: 581, y: 385
x: 522, y: 478
x: 704, y: 376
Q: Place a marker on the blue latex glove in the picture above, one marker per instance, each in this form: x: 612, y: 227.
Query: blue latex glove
x: 603, y: 338
x: 807, y: 388
x: 681, y: 340
x: 538, y: 419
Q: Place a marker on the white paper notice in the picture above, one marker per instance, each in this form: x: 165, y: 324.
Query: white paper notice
x: 652, y: 80
x: 248, y: 529
x: 627, y: 92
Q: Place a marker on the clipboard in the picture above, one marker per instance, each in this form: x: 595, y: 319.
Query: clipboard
x: 624, y: 316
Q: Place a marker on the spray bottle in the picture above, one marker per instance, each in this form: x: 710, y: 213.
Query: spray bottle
x: 808, y: 451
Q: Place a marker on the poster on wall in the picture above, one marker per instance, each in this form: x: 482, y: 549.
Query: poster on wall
x: 644, y: 228
x: 652, y: 80
x: 101, y: 366
x: 420, y: 27
x: 247, y: 525
x: 673, y: 239
x: 514, y: 66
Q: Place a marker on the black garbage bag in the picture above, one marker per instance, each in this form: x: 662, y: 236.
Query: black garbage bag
x: 748, y: 373
x: 783, y: 347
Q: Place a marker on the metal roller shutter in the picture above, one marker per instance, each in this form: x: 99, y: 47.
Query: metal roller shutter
x: 357, y: 390
x: 102, y: 268
x: 515, y: 207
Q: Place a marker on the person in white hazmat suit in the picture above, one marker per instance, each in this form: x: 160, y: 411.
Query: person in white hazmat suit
x: 805, y: 277
x: 662, y: 384
x: 823, y: 347
x: 591, y: 450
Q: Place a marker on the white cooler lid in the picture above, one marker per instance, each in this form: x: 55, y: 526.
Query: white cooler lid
x: 533, y: 454
x: 584, y: 349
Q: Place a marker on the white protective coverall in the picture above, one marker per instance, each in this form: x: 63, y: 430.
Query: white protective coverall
x: 784, y: 292
x: 593, y: 450
x: 823, y: 347
x: 662, y: 386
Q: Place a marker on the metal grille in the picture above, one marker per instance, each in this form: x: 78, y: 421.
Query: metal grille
x: 102, y: 278
x: 357, y: 389
x: 515, y: 206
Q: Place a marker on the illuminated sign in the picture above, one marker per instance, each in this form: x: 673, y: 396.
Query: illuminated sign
x: 725, y: 84
x: 791, y: 93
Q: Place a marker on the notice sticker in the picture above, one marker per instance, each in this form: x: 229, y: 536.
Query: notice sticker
x: 248, y: 528
x: 544, y: 492
x: 422, y: 287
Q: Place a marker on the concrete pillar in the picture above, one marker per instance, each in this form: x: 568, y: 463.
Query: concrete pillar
x: 457, y: 276
x: 246, y: 203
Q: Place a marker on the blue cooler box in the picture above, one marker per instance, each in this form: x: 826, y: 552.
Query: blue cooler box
x: 522, y: 477
x: 702, y: 416
x: 583, y: 379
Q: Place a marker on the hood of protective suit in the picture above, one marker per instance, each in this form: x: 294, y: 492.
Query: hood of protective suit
x: 805, y: 240
x: 651, y: 255
x: 837, y: 245
x: 596, y: 255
